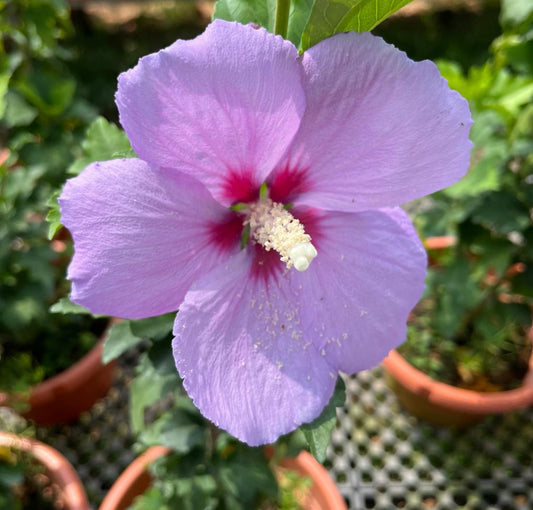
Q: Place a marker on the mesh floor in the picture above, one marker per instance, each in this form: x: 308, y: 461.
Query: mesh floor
x: 380, y: 456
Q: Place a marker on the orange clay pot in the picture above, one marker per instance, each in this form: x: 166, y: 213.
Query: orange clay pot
x: 60, y: 471
x: 322, y: 495
x: 63, y: 397
x: 442, y: 404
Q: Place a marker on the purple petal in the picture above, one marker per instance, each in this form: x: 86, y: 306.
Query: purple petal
x: 141, y: 237
x: 368, y: 275
x: 223, y: 107
x: 379, y: 129
x: 242, y: 351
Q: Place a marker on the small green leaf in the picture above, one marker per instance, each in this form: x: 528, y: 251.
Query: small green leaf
x: 176, y: 430
x: 330, y: 17
x: 153, y: 327
x: 147, y: 388
x: 4, y: 81
x: 118, y: 340
x: 18, y: 112
x: 53, y: 217
x: 318, y: 432
x: 65, y: 305
x: 103, y: 141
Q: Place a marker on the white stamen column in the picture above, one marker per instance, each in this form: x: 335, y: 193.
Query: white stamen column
x: 275, y: 228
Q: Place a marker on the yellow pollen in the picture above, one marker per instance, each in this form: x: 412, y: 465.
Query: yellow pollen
x: 275, y: 228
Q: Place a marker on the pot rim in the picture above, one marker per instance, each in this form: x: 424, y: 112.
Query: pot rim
x: 137, y: 471
x: 464, y: 400
x: 57, y: 466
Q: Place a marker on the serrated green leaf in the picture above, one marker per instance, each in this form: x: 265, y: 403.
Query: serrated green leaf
x: 103, y: 141
x: 330, y: 17
x: 53, y: 217
x: 318, y: 432
x: 118, y: 340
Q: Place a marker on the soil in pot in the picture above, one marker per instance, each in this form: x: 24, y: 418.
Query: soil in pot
x: 477, y: 364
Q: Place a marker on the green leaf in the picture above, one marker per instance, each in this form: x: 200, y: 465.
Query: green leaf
x: 103, y: 141
x: 247, y: 11
x: 244, y: 477
x: 65, y: 305
x: 318, y: 432
x: 4, y: 81
x: 18, y: 112
x: 488, y: 156
x: 330, y: 17
x: 176, y: 430
x: 147, y: 388
x: 53, y: 217
x: 153, y: 327
x: 263, y: 14
x: 457, y: 292
x: 502, y: 213
x: 118, y: 340
x: 47, y: 89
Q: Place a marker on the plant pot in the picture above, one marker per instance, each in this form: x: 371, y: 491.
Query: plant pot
x: 442, y: 404
x: 322, y: 495
x: 59, y: 470
x: 63, y: 397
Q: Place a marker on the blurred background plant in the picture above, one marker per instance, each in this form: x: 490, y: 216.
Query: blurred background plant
x: 471, y: 329
x: 41, y: 120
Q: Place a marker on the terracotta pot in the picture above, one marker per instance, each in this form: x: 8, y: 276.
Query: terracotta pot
x: 60, y: 471
x: 63, y: 397
x: 442, y: 404
x: 322, y: 495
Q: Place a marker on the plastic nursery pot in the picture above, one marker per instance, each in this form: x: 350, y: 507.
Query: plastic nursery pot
x: 59, y: 470
x: 322, y: 495
x: 442, y: 404
x: 63, y: 397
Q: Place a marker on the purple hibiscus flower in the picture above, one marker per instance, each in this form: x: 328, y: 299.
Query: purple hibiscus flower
x: 264, y: 206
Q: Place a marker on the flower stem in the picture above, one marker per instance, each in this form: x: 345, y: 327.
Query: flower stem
x: 281, y: 22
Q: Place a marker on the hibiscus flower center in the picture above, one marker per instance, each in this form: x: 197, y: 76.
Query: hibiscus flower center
x: 275, y: 228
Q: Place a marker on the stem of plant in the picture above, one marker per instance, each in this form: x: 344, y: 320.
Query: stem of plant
x: 281, y: 22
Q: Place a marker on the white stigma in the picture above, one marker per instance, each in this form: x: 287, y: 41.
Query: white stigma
x: 275, y: 228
